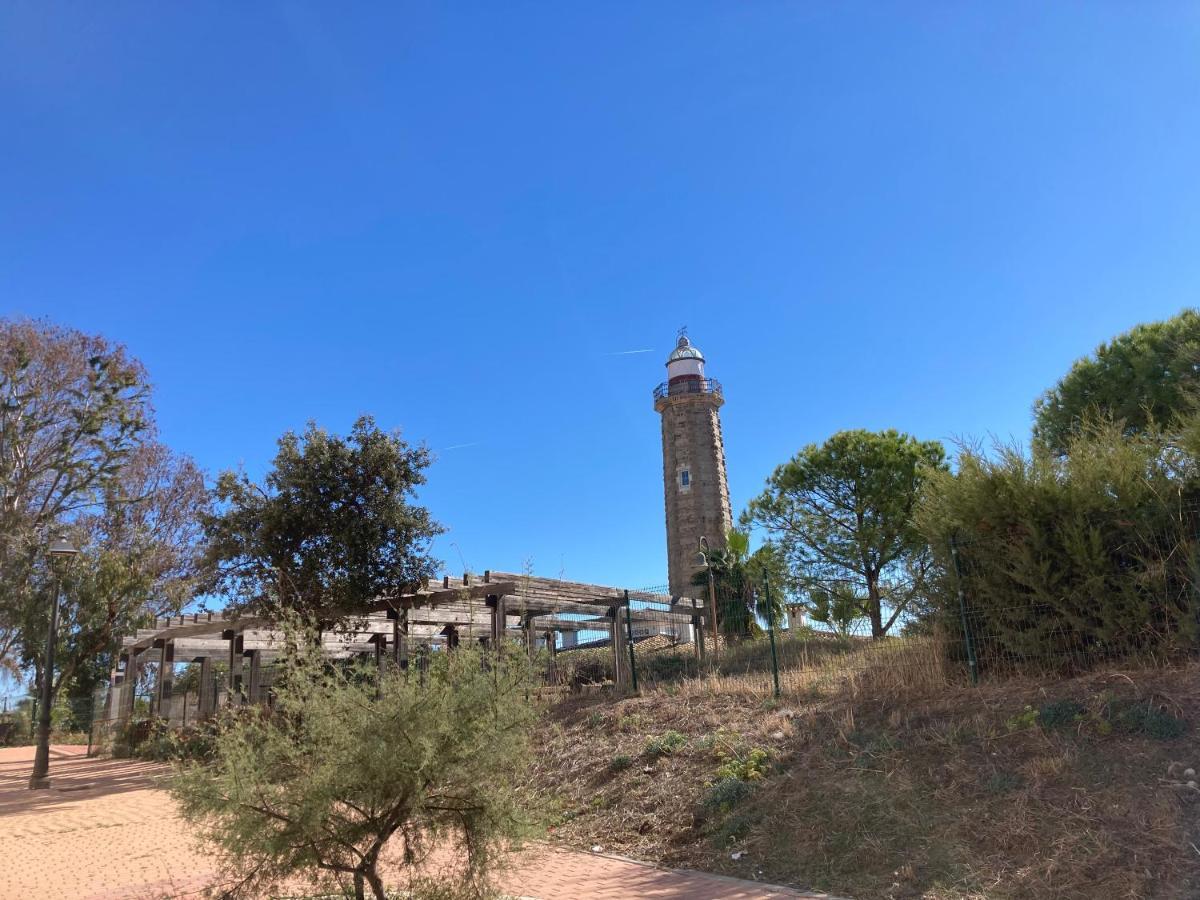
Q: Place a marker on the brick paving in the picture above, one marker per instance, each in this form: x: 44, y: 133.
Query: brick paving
x: 105, y: 830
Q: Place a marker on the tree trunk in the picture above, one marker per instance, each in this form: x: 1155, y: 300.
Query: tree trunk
x: 359, y: 892
x: 375, y: 881
x: 874, y: 606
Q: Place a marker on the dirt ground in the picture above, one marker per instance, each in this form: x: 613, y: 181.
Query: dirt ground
x: 1079, y: 787
x: 106, y: 830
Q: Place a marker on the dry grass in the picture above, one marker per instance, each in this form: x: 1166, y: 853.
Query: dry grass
x: 891, y: 778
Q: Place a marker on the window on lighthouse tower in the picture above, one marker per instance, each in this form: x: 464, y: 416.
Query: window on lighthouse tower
x: 685, y: 479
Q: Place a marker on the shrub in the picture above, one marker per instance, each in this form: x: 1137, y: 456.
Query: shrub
x: 1026, y: 718
x: 1061, y: 714
x: 724, y: 794
x: 1067, y: 559
x: 664, y: 744
x: 620, y: 763
x: 1144, y: 719
x: 345, y: 763
x: 586, y: 667
x: 745, y: 765
x: 130, y: 736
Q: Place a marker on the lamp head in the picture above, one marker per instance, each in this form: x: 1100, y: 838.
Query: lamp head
x: 61, y: 548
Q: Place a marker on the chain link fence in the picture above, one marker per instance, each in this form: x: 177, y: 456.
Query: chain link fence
x: 995, y: 605
x: 1137, y: 604
x: 70, y: 720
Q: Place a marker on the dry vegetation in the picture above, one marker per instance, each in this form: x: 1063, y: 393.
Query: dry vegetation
x: 877, y: 786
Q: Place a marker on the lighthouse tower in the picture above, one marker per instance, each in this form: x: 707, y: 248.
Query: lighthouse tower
x: 696, y: 489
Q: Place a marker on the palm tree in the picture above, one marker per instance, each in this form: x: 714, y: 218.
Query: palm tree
x: 738, y: 582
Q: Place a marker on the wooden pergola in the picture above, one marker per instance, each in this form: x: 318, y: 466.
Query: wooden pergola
x: 492, y: 609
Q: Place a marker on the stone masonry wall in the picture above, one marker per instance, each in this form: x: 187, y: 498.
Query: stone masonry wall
x: 691, y: 434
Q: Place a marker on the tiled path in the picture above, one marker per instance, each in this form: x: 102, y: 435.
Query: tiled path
x: 104, y: 831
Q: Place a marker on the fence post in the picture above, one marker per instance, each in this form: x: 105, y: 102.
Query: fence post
x: 771, y: 634
x: 91, y: 724
x: 972, y: 663
x: 629, y: 635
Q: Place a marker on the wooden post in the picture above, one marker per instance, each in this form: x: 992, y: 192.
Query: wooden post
x: 122, y: 680
x: 402, y: 642
x: 204, y: 704
x: 236, y: 645
x: 166, y: 675
x: 132, y: 664
x: 377, y: 641
x: 253, y: 691
x: 698, y: 636
x: 620, y: 658
x: 499, y: 620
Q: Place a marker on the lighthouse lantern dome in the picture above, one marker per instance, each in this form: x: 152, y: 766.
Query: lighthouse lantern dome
x: 685, y: 361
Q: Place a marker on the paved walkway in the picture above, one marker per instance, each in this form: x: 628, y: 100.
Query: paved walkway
x: 105, y: 831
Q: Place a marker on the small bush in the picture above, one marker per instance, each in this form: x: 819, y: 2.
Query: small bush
x: 1061, y: 714
x: 1027, y: 718
x: 130, y: 736
x: 664, y: 744
x: 1144, y: 719
x: 631, y: 722
x: 721, y: 742
x: 735, y: 828
x: 588, y: 669
x: 620, y: 763
x: 752, y: 765
x: 724, y: 794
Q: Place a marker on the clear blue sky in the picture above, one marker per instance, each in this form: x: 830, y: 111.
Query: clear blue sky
x: 454, y: 216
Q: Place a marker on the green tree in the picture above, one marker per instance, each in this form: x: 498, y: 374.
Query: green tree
x: 839, y: 606
x: 1151, y: 373
x: 738, y: 578
x: 330, y: 529
x: 842, y: 512
x: 141, y: 557
x: 78, y: 456
x: 73, y: 409
x: 768, y: 566
x: 346, y: 764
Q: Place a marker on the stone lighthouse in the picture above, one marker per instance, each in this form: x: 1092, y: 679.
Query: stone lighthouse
x: 696, y: 489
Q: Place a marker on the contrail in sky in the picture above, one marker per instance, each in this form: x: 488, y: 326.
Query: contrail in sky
x: 626, y: 352
x: 461, y: 446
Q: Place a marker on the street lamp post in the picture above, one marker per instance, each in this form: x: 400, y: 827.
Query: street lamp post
x: 703, y: 555
x: 59, y: 549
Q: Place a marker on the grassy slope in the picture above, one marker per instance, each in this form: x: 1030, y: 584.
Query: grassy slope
x: 998, y: 791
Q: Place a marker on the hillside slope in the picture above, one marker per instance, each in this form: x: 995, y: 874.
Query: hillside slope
x: 1077, y: 788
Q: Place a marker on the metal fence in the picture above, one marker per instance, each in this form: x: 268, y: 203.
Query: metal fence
x: 980, y: 619
x: 70, y: 720
x: 1144, y: 609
